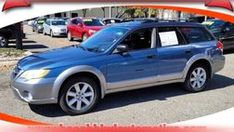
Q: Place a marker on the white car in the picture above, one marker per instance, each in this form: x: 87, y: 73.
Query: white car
x: 55, y: 27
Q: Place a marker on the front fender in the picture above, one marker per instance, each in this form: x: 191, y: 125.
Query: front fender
x: 74, y: 70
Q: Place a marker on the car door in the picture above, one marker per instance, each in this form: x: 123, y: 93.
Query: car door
x: 79, y: 29
x: 45, y: 25
x: 72, y: 27
x: 173, y: 53
x: 136, y: 67
x: 227, y: 37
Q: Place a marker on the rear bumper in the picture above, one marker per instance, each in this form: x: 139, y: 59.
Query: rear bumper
x: 218, y: 63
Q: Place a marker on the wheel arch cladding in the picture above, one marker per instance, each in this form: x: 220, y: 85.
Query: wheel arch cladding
x: 204, y: 62
x: 79, y: 70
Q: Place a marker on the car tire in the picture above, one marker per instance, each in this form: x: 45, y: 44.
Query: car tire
x: 69, y: 36
x: 3, y: 41
x: 197, y: 78
x: 44, y: 33
x: 84, y: 37
x: 51, y: 34
x: 73, y: 95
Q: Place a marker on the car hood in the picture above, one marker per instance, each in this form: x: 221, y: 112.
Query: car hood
x: 96, y: 28
x: 55, y: 58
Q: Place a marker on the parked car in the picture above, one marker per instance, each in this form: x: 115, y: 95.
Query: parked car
x: 109, y: 21
x: 38, y: 25
x: 55, y: 27
x: 224, y: 31
x: 118, y: 58
x: 8, y: 33
x: 82, y: 28
x: 140, y: 19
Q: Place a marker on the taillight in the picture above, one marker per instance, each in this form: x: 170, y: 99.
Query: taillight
x: 219, y: 46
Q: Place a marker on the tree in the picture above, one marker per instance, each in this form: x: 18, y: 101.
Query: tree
x: 84, y: 12
x: 18, y: 36
x: 104, y: 13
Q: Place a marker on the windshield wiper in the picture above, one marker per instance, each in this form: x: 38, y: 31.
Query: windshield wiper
x: 94, y: 49
x: 82, y: 47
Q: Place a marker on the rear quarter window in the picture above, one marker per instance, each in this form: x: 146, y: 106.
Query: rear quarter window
x: 196, y: 34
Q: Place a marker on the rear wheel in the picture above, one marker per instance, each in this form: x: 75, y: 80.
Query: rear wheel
x: 3, y: 41
x: 197, y: 78
x: 69, y: 36
x: 79, y: 95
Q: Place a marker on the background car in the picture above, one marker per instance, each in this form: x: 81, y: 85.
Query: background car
x: 83, y: 28
x: 8, y: 33
x: 109, y: 21
x: 55, y: 27
x: 37, y: 26
x: 224, y: 31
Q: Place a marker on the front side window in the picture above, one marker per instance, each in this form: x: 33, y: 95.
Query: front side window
x: 104, y: 39
x: 196, y: 34
x: 140, y: 39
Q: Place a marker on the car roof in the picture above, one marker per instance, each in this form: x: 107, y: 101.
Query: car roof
x: 139, y: 24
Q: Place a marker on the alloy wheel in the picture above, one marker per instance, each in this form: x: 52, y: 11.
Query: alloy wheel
x: 198, y: 78
x: 80, y: 96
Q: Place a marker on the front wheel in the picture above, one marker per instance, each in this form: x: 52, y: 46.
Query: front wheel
x: 3, y: 41
x: 84, y: 37
x: 69, y: 36
x: 79, y: 95
x: 196, y: 79
x: 51, y: 34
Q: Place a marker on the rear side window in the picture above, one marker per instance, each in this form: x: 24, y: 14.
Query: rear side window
x: 196, y: 34
x: 170, y: 36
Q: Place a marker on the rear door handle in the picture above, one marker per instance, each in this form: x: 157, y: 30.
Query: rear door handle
x: 151, y: 56
x: 188, y: 51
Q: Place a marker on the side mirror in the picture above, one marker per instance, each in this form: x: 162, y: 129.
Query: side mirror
x: 122, y: 48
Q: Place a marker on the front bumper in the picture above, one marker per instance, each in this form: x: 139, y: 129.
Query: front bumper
x: 60, y: 33
x: 36, y: 91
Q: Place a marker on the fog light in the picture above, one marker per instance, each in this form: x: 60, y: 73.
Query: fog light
x: 27, y: 95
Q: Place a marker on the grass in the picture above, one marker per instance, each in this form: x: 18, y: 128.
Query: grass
x: 11, y: 52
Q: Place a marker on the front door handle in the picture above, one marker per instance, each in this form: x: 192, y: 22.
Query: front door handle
x: 151, y: 56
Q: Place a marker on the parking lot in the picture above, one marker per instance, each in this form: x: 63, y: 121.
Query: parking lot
x: 162, y: 104
x: 35, y: 42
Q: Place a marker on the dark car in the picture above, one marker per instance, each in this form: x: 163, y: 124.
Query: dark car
x: 37, y: 26
x: 140, y: 19
x: 224, y: 31
x: 8, y: 33
x: 109, y: 21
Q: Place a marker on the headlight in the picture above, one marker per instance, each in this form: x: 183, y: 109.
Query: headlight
x: 34, y: 74
x: 92, y: 31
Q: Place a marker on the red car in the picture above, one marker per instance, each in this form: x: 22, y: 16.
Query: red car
x: 83, y: 28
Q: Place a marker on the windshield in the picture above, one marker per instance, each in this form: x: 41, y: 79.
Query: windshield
x: 93, y: 22
x: 213, y: 24
x: 103, y: 39
x: 55, y: 23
